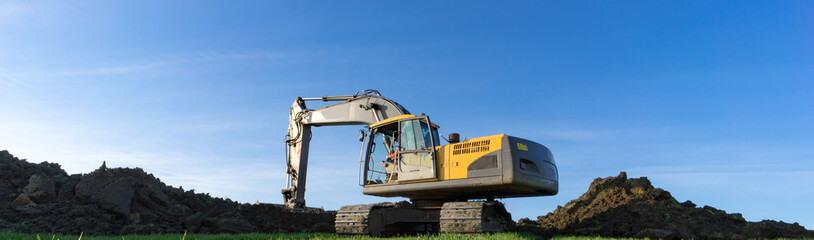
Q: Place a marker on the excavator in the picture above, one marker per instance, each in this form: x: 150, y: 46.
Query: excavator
x: 452, y: 187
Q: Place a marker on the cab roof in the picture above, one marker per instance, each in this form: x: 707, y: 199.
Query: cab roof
x: 396, y: 119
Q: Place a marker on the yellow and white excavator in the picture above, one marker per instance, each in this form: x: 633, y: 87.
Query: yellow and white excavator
x: 451, y: 187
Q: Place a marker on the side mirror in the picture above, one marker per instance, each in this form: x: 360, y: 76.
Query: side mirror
x: 362, y: 135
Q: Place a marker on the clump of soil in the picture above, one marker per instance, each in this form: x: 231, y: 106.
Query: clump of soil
x: 622, y: 207
x: 44, y: 198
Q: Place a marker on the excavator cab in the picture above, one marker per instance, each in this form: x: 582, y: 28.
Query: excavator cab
x: 400, y: 149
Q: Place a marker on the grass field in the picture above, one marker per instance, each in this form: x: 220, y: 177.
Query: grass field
x: 267, y: 236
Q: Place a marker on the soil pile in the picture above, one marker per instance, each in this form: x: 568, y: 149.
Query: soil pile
x: 622, y: 207
x: 44, y: 198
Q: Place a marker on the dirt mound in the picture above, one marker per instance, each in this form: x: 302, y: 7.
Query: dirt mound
x: 622, y: 207
x: 44, y: 198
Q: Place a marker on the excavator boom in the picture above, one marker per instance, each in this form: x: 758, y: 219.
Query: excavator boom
x: 363, y: 108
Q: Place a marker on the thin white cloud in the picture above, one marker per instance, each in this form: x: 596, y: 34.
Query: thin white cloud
x: 213, y: 127
x: 164, y: 60
x: 211, y: 56
x: 11, y: 82
x: 116, y: 69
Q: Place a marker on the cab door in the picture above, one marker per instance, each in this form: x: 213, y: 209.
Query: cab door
x: 416, y: 150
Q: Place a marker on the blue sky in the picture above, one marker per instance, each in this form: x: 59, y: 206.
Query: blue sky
x: 712, y: 101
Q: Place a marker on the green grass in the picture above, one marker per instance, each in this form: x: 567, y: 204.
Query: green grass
x: 256, y: 236
x: 261, y: 236
x: 267, y: 236
x: 584, y: 238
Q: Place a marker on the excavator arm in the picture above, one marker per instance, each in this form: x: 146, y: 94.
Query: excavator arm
x: 363, y: 108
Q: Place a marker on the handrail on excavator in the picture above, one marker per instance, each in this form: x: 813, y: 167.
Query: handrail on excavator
x: 344, y: 97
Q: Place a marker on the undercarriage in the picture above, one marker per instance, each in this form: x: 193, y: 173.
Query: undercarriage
x: 406, y: 218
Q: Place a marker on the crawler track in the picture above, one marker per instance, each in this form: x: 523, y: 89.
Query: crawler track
x: 353, y: 219
x: 394, y: 218
x: 474, y: 217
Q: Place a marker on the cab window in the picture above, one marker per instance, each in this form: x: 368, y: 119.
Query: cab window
x: 417, y: 135
x: 383, y: 147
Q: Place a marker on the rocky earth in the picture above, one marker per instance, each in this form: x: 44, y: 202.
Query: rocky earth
x: 44, y: 198
x: 622, y: 207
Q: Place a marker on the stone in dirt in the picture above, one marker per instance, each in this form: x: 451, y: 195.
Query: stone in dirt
x: 40, y: 189
x: 622, y: 207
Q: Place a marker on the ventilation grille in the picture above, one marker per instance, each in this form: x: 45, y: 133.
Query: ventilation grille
x: 470, y: 147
